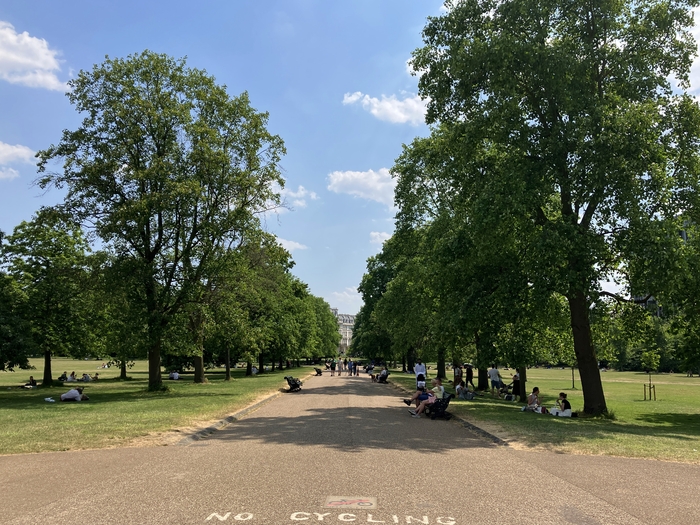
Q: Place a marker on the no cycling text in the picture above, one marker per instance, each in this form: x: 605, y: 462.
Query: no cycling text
x: 345, y: 517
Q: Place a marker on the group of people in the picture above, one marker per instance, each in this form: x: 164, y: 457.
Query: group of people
x: 422, y: 398
x: 562, y: 407
x: 350, y: 367
x: 86, y: 378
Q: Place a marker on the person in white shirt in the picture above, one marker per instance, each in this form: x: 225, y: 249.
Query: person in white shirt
x: 419, y: 368
x: 495, y: 377
x: 75, y: 394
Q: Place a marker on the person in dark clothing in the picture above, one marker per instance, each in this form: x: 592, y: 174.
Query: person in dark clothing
x: 470, y: 376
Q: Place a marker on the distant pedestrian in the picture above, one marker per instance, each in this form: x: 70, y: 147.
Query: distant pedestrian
x: 419, y: 368
x: 351, y: 366
x: 470, y: 376
x: 332, y: 367
x: 457, y: 374
x: 495, y: 377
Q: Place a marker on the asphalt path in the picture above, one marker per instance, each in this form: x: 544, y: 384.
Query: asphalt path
x: 341, y: 451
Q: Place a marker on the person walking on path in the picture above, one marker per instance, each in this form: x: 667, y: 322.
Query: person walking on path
x: 332, y: 367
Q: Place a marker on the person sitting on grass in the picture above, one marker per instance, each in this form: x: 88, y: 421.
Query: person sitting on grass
x: 86, y: 378
x: 75, y: 394
x: 173, y: 375
x: 63, y: 376
x: 31, y: 383
x: 563, y: 408
x: 437, y: 392
x: 533, y: 402
x: 463, y: 391
x: 71, y: 377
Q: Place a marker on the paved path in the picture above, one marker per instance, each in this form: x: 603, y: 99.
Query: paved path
x: 342, y: 437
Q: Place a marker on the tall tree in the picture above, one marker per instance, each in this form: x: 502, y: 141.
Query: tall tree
x: 167, y: 168
x: 46, y: 256
x: 563, y: 113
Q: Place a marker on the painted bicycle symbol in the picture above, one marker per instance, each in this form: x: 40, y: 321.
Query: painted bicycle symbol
x: 345, y: 502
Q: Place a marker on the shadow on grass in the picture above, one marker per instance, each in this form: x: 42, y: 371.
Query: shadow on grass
x: 538, y: 429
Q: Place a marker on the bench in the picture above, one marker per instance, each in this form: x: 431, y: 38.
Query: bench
x: 294, y: 383
x: 439, y: 408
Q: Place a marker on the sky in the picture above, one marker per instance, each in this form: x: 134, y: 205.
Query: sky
x: 332, y: 75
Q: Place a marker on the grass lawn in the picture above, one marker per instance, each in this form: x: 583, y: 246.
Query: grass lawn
x: 118, y: 412
x: 667, y: 429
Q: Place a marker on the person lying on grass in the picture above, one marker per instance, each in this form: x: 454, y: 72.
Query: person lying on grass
x: 75, y: 394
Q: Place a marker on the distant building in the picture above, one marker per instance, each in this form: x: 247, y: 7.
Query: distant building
x: 345, y: 325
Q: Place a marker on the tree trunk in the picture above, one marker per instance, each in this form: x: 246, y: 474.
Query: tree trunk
x: 481, y: 363
x: 155, y: 380
x: 403, y: 363
x: 261, y: 363
x: 483, y: 379
x: 196, y: 326
x: 441, y: 364
x: 249, y: 368
x: 228, y: 364
x: 122, y: 369
x: 199, y: 369
x: 411, y: 360
x: 522, y: 372
x: 48, y: 376
x: 591, y: 384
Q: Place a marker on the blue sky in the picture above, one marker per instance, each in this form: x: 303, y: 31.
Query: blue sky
x: 332, y: 75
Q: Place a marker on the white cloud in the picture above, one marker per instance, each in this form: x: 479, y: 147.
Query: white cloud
x: 9, y: 153
x: 348, y: 301
x: 372, y: 185
x: 410, y: 109
x: 299, y: 196
x: 378, y: 237
x: 8, y: 173
x: 290, y: 246
x: 28, y: 60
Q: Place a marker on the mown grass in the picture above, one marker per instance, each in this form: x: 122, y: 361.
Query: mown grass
x: 666, y: 429
x: 118, y: 412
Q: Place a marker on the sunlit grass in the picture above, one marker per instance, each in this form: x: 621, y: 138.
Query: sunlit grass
x: 668, y: 428
x: 118, y: 411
